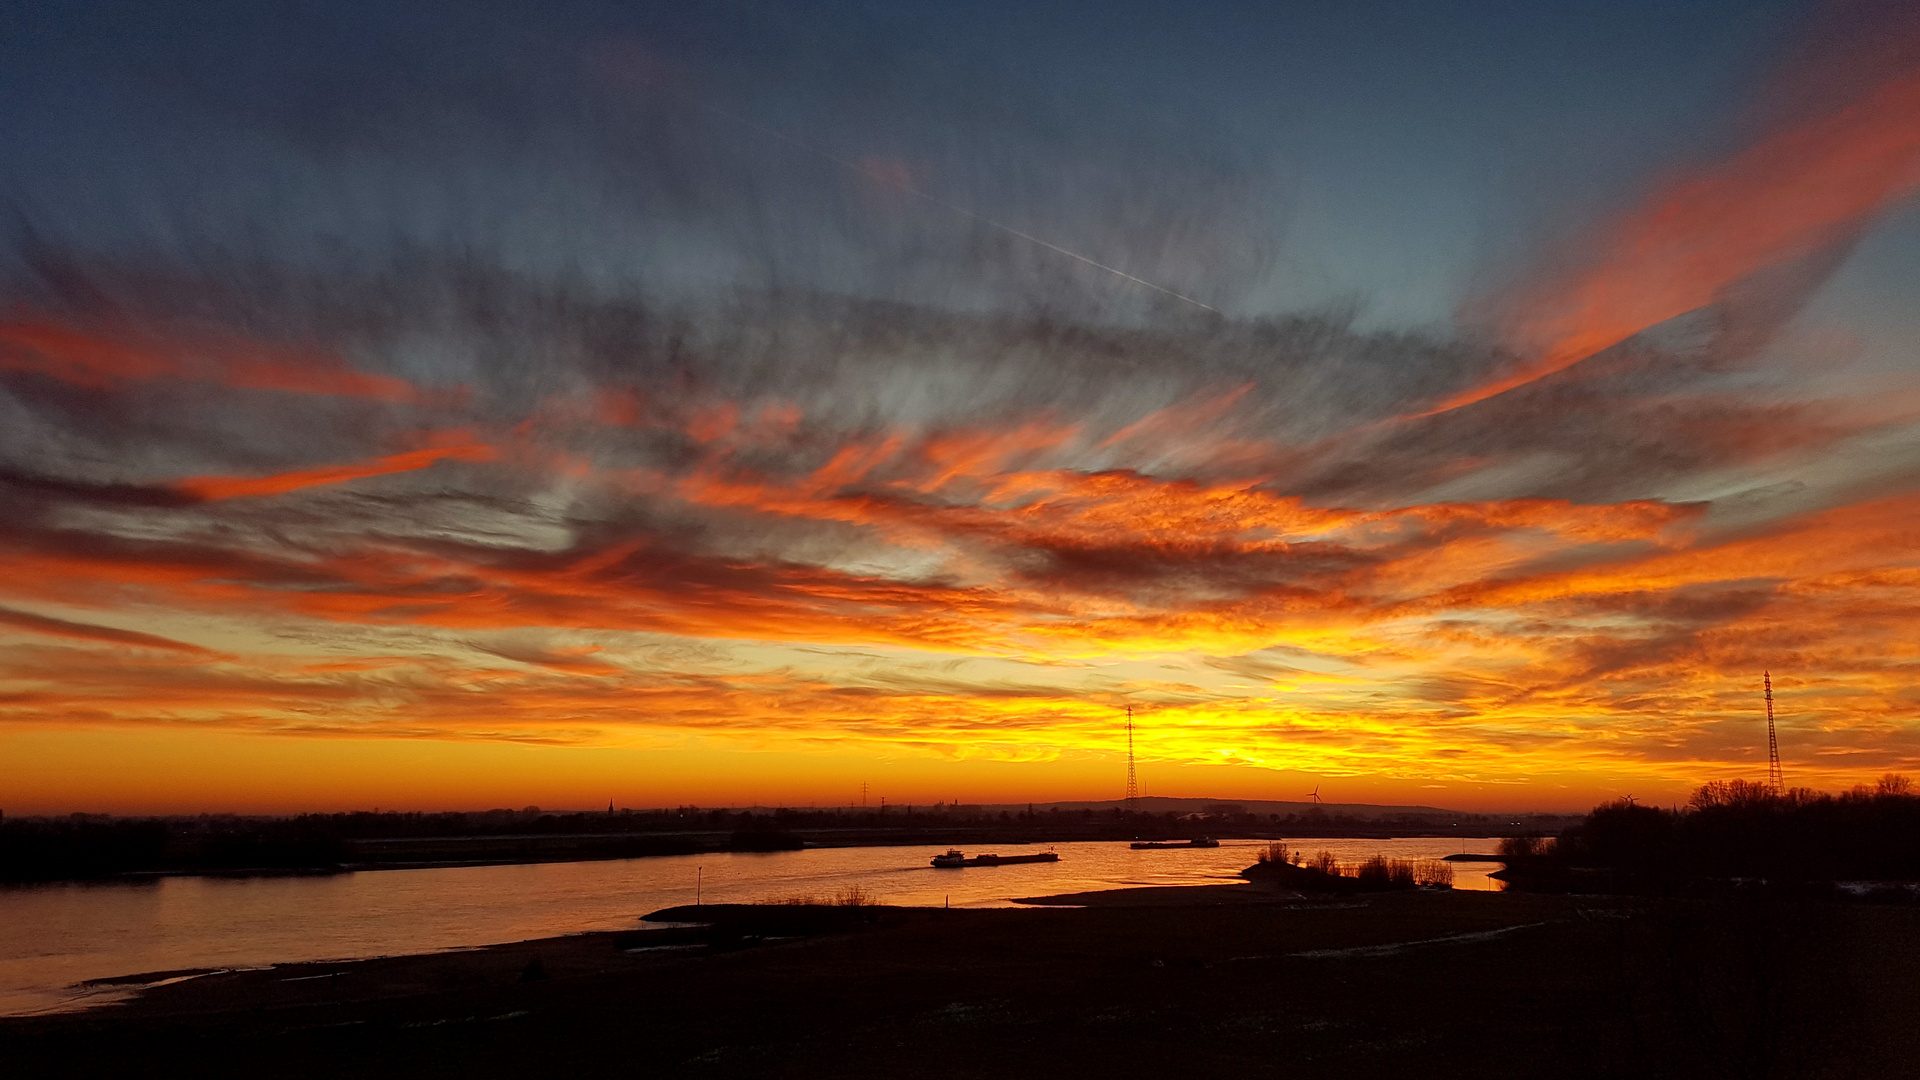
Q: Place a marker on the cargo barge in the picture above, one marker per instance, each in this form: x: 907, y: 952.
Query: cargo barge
x: 955, y: 859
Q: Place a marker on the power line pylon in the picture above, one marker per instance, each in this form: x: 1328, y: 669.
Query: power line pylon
x: 1775, y: 783
x: 1133, y: 780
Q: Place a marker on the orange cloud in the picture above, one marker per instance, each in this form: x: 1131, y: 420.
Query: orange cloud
x: 77, y: 631
x: 215, y: 488
x: 1462, y: 641
x: 1784, y: 198
x: 103, y: 362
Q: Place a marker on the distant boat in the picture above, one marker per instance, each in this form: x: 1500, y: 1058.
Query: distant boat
x: 955, y: 859
x: 1154, y: 845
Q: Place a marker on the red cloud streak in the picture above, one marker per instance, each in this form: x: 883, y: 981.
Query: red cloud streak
x: 103, y: 363
x: 1783, y: 198
x: 215, y: 488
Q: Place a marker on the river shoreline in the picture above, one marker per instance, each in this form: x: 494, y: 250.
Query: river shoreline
x: 55, y: 937
x: 1119, y: 984
x: 593, y: 847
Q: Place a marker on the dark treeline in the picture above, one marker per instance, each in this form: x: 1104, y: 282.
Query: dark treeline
x: 92, y: 845
x: 86, y: 846
x: 1730, y: 834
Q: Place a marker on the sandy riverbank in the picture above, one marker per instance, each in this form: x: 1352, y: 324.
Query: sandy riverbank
x: 1168, y: 896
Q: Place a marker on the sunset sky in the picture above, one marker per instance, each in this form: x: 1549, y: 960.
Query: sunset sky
x: 485, y: 404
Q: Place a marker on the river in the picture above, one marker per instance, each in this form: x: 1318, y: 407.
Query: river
x: 55, y: 937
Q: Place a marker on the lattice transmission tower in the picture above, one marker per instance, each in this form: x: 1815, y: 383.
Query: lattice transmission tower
x: 1133, y: 779
x: 1775, y: 783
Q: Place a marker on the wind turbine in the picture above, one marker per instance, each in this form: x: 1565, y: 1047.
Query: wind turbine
x: 1316, y: 794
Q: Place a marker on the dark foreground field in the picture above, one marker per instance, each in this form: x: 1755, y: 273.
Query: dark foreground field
x: 1401, y: 985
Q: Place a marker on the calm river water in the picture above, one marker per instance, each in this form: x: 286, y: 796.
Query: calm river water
x: 54, y: 937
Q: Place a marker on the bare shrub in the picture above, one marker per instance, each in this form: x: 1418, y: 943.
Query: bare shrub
x: 1323, y: 861
x: 1522, y: 848
x: 1433, y: 872
x: 1277, y: 853
x: 1375, y: 873
x: 1383, y: 873
x: 855, y: 896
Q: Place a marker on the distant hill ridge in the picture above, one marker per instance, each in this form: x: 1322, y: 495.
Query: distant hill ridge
x: 1156, y: 804
x: 1162, y: 804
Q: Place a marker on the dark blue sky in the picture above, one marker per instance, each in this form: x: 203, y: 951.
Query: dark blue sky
x: 1267, y: 157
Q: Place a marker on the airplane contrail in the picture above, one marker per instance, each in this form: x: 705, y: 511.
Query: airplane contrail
x: 944, y: 204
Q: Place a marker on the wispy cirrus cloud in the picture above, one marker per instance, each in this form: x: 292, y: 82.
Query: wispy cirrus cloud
x: 452, y: 493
